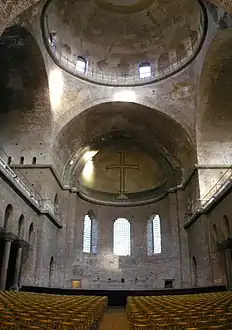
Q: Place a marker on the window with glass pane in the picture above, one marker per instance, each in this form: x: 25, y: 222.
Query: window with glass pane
x: 122, y: 243
x: 81, y: 64
x: 87, y: 236
x: 144, y: 70
x: 156, y: 235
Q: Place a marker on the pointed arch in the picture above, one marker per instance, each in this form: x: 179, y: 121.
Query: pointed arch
x: 122, y: 237
x: 8, y: 216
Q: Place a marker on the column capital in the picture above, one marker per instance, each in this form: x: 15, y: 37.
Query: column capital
x: 8, y: 236
x: 21, y: 243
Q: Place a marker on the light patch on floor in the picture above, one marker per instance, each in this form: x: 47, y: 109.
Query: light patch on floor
x: 114, y: 318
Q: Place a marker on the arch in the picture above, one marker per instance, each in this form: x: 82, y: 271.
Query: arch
x: 8, y: 216
x: 81, y: 64
x: 31, y: 234
x: 144, y: 70
x: 213, y: 118
x: 122, y: 237
x: 127, y: 116
x: 215, y: 234
x: 51, y: 272
x: 194, y: 272
x: 21, y: 226
x: 225, y: 227
x: 33, y: 160
x: 23, y: 69
x: 21, y: 160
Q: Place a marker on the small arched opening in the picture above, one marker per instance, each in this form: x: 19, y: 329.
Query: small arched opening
x: 81, y: 64
x: 144, y: 70
x: 56, y: 204
x: 31, y: 234
x: 21, y: 160
x: 9, y: 160
x: 7, y: 216
x: 194, y: 272
x: 21, y: 226
x: 51, y: 272
x: 33, y: 160
x: 215, y: 234
x: 225, y: 227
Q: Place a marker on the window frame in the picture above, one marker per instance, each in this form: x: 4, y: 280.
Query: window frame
x: 144, y: 75
x: 126, y: 234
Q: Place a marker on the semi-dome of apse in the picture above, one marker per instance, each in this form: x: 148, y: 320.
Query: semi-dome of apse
x: 123, y: 42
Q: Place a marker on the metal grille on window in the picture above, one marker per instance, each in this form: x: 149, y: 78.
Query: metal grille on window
x: 122, y: 241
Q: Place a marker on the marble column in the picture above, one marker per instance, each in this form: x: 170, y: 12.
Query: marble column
x: 5, y: 263
x: 17, y: 267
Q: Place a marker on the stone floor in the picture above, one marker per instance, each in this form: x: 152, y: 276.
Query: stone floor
x: 114, y: 318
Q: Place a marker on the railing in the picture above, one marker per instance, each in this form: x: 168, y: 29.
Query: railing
x: 21, y: 181
x: 121, y: 79
x: 202, y: 203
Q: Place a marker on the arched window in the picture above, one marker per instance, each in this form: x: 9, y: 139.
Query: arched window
x: 56, y: 204
x: 90, y: 234
x: 225, y: 227
x: 194, y: 272
x: 34, y: 160
x: 81, y: 64
x: 8, y: 214
x: 31, y: 233
x: 51, y: 271
x: 21, y: 226
x: 154, y: 235
x: 122, y: 239
x: 215, y: 234
x: 21, y: 160
x: 144, y: 70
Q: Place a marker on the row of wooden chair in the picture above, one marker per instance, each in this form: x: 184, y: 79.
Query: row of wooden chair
x: 21, y: 310
x: 199, y: 311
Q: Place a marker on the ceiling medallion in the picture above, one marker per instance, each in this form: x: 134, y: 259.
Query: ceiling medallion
x: 124, y: 7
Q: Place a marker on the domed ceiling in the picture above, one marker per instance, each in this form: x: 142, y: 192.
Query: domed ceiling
x: 116, y: 36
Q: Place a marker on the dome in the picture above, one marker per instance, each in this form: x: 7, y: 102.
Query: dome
x: 123, y: 42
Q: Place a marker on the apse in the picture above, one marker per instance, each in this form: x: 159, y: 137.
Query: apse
x: 110, y: 153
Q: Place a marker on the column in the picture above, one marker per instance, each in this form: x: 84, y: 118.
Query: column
x: 17, y: 267
x: 5, y: 263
